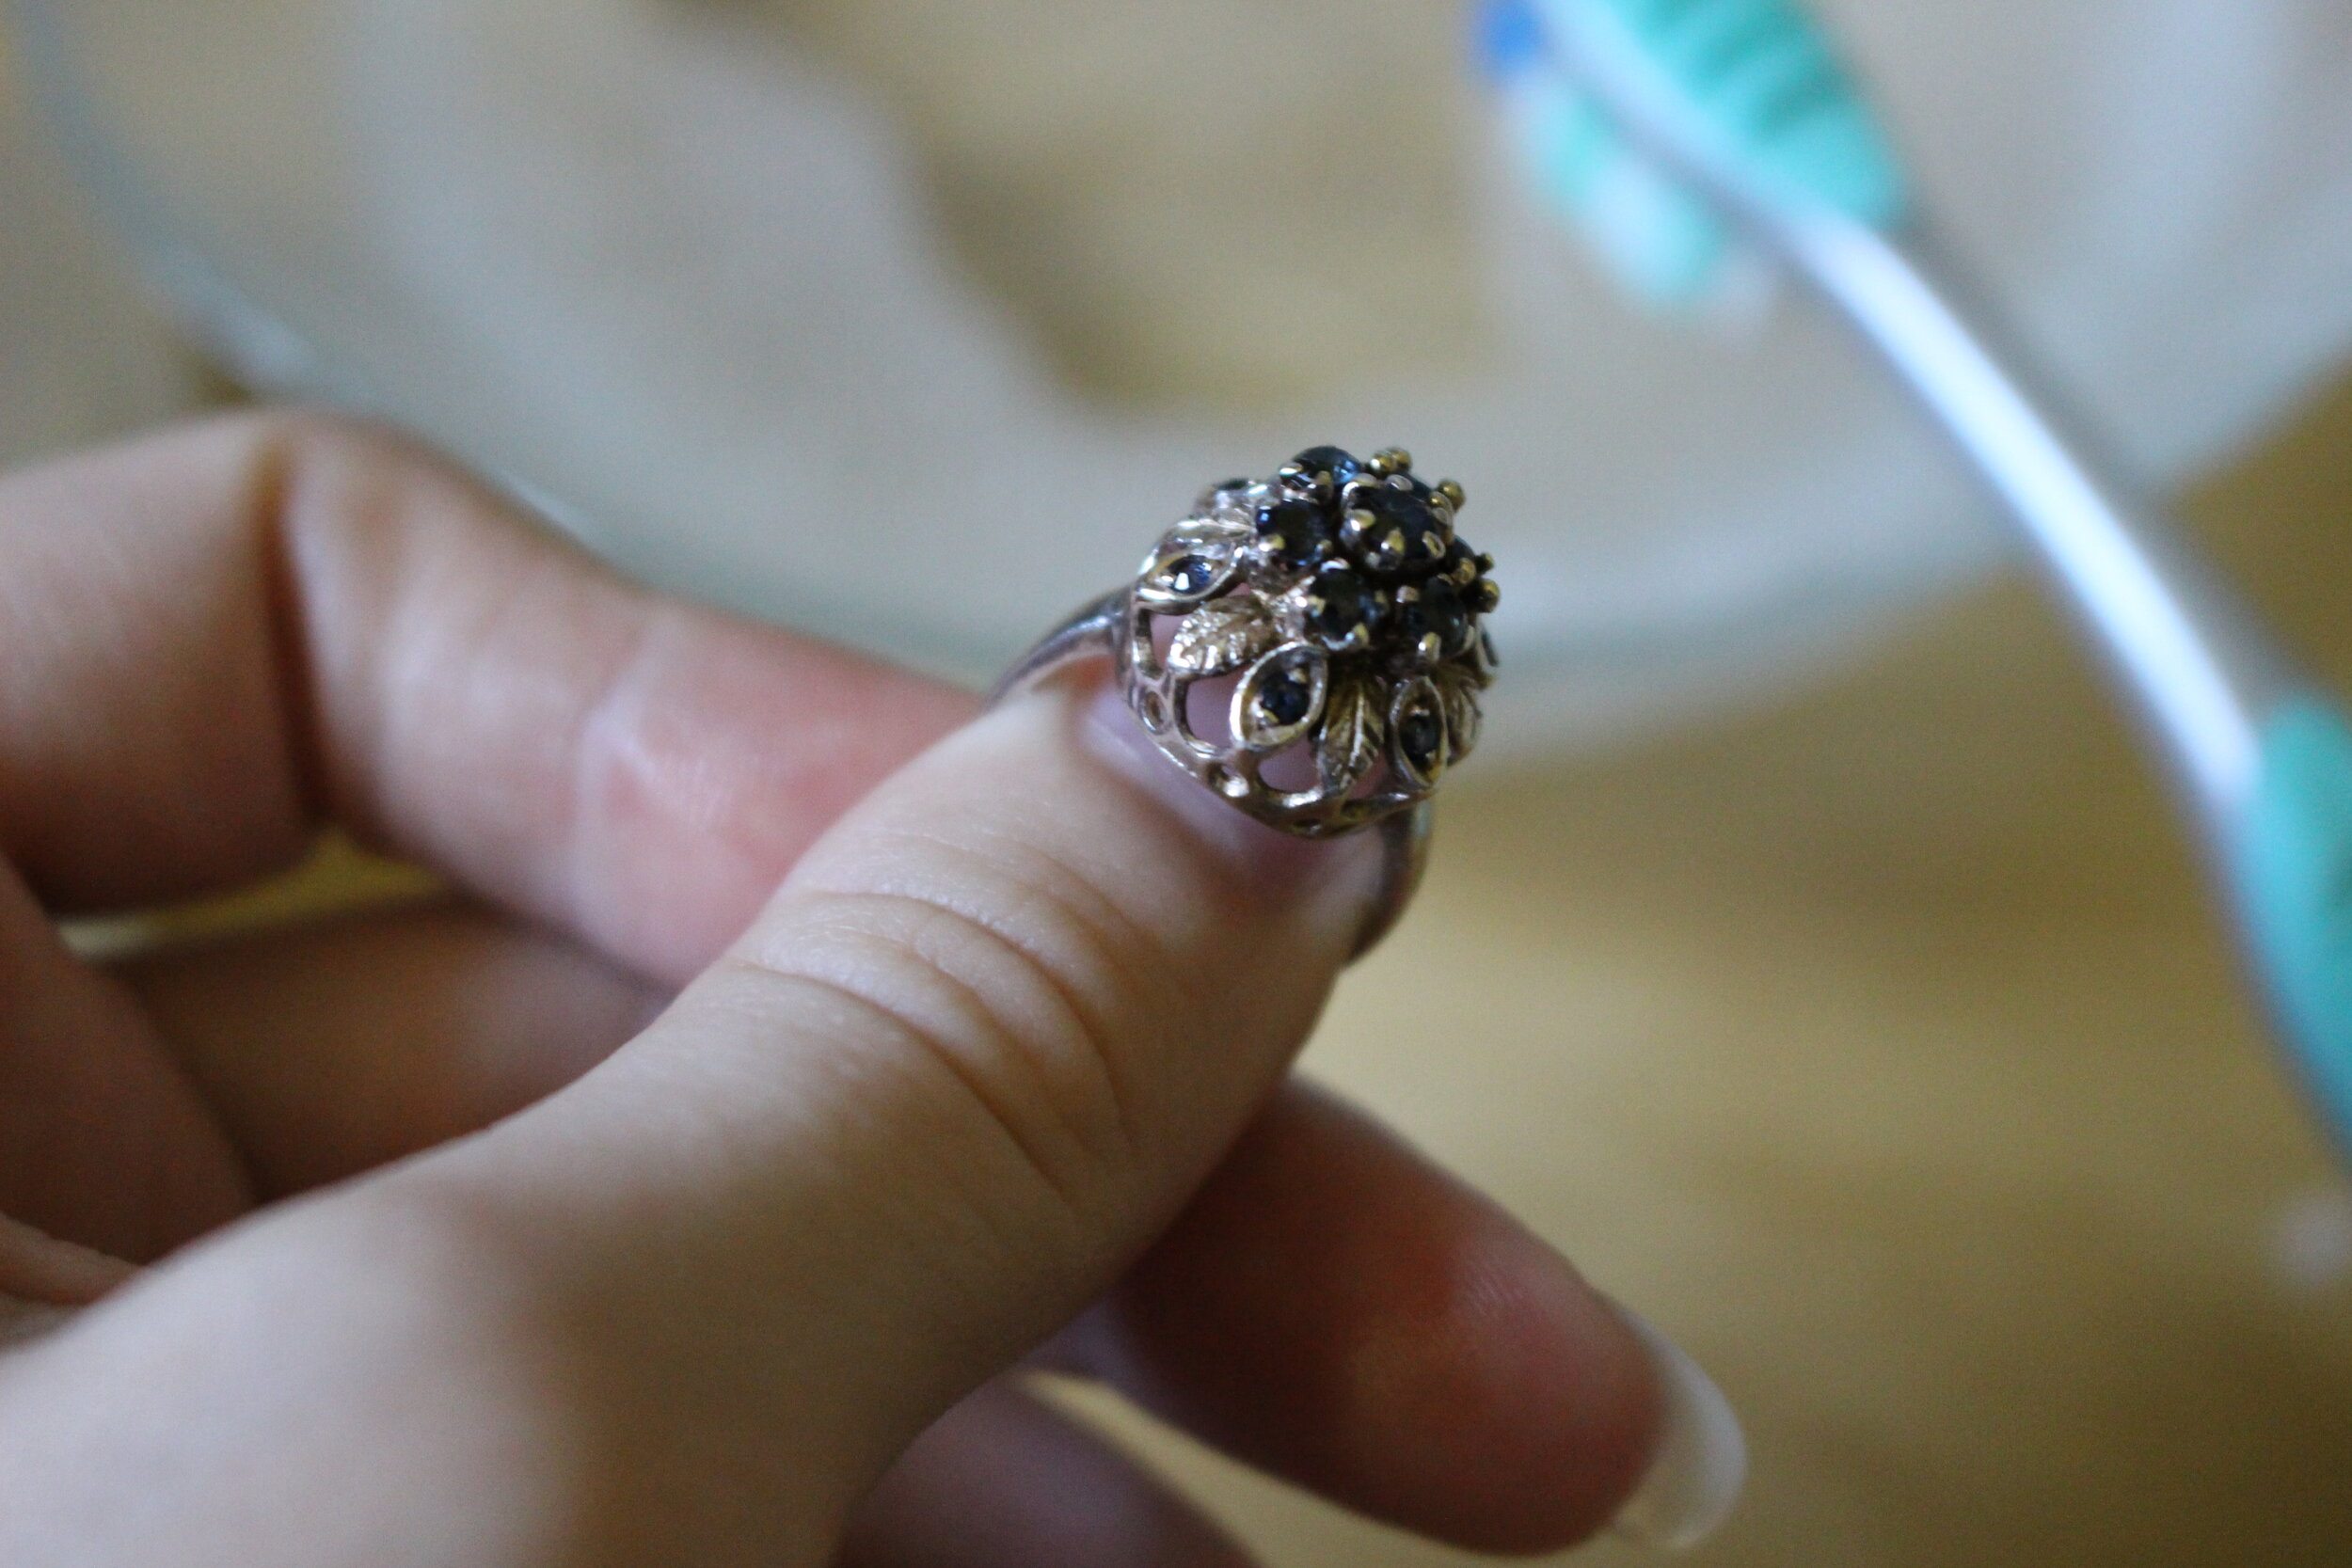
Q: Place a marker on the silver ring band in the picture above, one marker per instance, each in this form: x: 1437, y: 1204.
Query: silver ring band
x: 1310, y: 647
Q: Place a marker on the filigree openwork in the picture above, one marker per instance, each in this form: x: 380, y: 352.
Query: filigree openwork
x: 1312, y: 646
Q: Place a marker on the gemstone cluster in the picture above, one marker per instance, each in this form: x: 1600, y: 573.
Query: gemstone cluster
x: 1339, y: 619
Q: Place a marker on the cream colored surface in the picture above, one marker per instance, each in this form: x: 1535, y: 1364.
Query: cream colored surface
x: 1095, y: 166
x: 703, y: 274
x: 82, y: 356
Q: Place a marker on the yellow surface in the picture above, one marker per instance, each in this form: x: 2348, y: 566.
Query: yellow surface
x: 337, y: 876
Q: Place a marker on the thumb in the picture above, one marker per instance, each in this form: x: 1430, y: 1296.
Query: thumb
x: 967, y: 1063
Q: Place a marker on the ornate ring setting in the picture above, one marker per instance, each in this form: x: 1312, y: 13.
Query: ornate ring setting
x: 1311, y: 646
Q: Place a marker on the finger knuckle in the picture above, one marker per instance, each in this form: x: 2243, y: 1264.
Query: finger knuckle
x: 307, y: 435
x: 1012, y: 979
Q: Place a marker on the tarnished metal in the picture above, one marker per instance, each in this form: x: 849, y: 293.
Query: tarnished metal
x: 1310, y: 647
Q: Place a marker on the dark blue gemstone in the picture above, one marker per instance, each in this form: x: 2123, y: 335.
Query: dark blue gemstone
x: 1343, y: 609
x: 1323, y: 468
x: 1286, y: 697
x: 1395, y: 533
x: 1436, y: 610
x: 1419, y: 735
x: 1296, y: 532
x: 1192, y: 574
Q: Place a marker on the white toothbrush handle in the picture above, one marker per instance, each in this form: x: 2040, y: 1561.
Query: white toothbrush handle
x: 2205, y: 676
x: 2265, y: 756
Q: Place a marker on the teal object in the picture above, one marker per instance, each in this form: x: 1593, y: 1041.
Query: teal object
x: 2293, y: 872
x: 1747, y: 99
x: 1752, y: 87
x: 1755, y: 87
x: 1662, y: 242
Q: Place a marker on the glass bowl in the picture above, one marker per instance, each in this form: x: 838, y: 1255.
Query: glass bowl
x: 880, y: 320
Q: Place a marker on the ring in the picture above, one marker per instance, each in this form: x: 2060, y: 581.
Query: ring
x: 1310, y: 647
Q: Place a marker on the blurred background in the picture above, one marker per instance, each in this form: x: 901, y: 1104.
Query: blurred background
x: 1810, y: 957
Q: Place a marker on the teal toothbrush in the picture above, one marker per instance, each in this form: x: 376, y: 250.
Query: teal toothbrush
x: 1680, y: 136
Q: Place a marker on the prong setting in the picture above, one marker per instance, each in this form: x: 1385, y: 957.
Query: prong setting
x: 1339, y: 599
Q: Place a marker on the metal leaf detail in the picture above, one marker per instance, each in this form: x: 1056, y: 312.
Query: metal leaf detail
x: 1215, y: 534
x: 1221, y: 635
x: 1353, y: 729
x: 1457, y: 692
x: 1195, y: 561
x: 1417, y: 723
x: 1280, y: 696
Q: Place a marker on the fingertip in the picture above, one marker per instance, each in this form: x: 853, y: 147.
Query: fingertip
x: 1700, y: 1459
x: 1337, y: 1311
x: 1561, y: 1406
x: 38, y: 1267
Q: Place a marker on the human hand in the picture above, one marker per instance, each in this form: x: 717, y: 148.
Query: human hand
x: 786, y: 1076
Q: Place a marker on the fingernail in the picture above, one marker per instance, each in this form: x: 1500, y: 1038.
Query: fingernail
x: 1291, y: 868
x: 1702, y: 1456
x: 39, y: 1268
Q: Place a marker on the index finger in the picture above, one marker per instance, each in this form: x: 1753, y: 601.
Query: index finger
x: 213, y: 639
